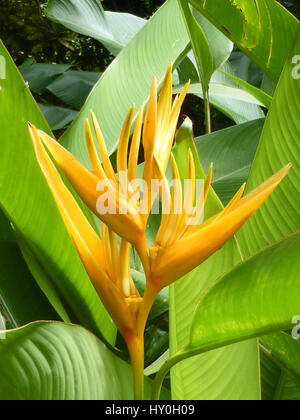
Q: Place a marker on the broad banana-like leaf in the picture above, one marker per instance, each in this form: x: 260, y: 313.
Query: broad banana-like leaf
x: 232, y: 152
x: 279, y: 145
x: 39, y: 75
x: 257, y: 93
x: 255, y: 298
x: 211, y: 48
x: 277, y: 383
x: 238, y: 104
x: 21, y: 300
x: 58, y: 117
x: 55, y: 361
x: 87, y: 17
x: 286, y: 350
x: 263, y: 29
x: 28, y: 203
x: 127, y: 80
x: 62, y: 87
x: 221, y: 374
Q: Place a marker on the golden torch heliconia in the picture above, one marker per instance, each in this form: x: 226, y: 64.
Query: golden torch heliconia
x: 178, y: 247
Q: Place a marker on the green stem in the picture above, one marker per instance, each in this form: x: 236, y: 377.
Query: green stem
x: 135, y: 343
x: 207, y: 111
x: 150, y: 295
x: 176, y: 358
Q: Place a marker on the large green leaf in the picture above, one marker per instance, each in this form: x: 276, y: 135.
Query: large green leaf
x: 87, y: 17
x: 236, y: 98
x: 246, y: 69
x: 262, y: 97
x: 222, y: 374
x: 257, y: 297
x: 21, y: 300
x: 286, y: 350
x: 277, y: 384
x: 220, y: 46
x: 124, y: 26
x: 211, y: 48
x: 239, y: 19
x: 28, y: 202
x: 270, y: 31
x: 40, y: 75
x: 53, y: 361
x: 58, y: 117
x: 238, y: 110
x: 226, y: 95
x: 279, y: 145
x: 232, y: 151
x: 127, y: 80
x: 200, y: 45
x: 63, y: 87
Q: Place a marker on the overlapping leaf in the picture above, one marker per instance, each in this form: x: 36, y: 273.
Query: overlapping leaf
x: 220, y: 374
x: 27, y: 201
x: 53, y: 361
x: 21, y: 300
x: 279, y: 145
x: 263, y: 29
x: 255, y: 298
x: 87, y: 17
x: 127, y: 80
x: 231, y: 151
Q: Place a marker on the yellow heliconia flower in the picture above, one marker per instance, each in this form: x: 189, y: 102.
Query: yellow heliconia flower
x: 180, y: 248
x: 107, y: 267
x: 129, y: 212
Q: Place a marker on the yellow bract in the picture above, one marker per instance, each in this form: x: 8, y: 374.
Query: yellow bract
x: 180, y: 248
x: 108, y: 271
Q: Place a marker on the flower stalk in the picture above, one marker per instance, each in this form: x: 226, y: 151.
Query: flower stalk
x: 135, y: 346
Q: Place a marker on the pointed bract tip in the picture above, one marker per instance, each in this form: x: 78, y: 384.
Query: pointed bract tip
x: 210, y: 171
x: 191, y: 156
x: 283, y: 171
x: 154, y: 82
x: 243, y: 187
x: 170, y: 68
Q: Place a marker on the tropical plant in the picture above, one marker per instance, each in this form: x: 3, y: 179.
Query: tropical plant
x: 79, y: 281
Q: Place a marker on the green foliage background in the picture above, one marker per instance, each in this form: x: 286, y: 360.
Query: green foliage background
x: 28, y: 34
